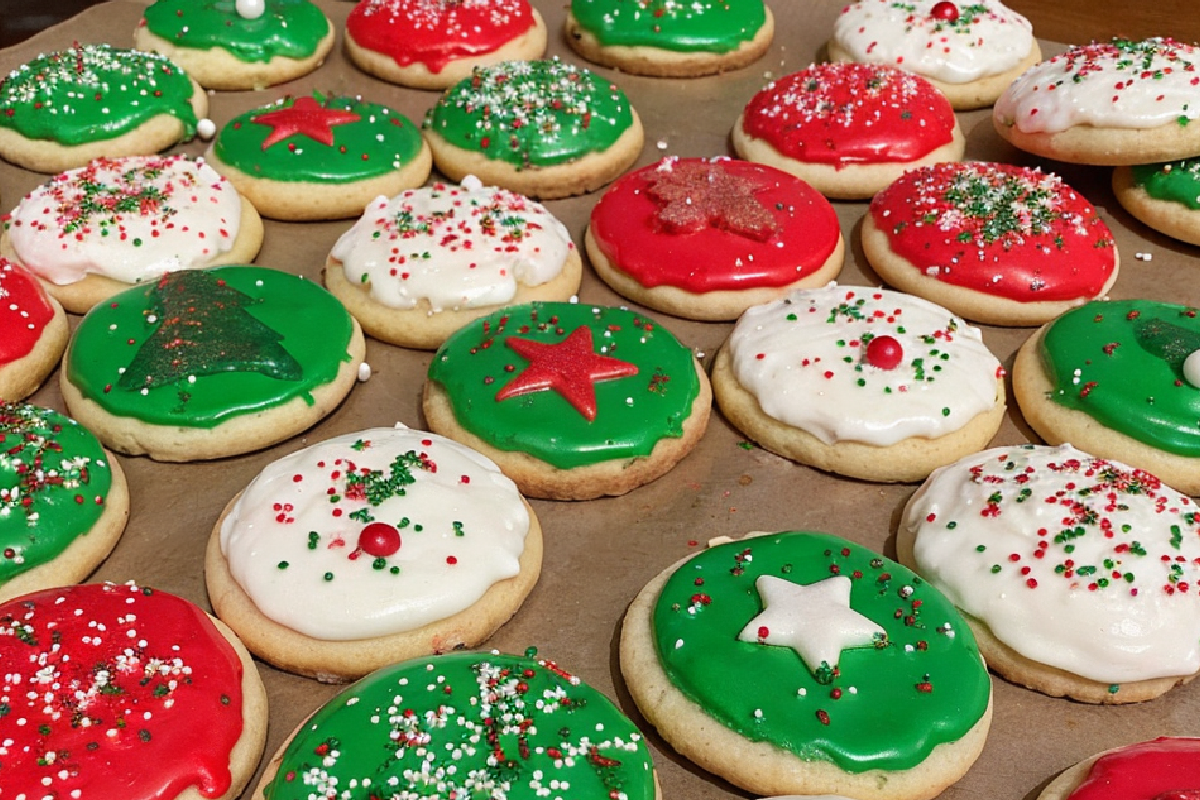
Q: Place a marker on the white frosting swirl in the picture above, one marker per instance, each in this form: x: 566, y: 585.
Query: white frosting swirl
x: 462, y: 527
x: 987, y: 38
x: 803, y: 358
x: 1076, y: 562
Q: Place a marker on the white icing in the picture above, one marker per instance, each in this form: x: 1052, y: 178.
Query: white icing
x: 993, y: 40
x: 271, y: 524
x: 453, y: 246
x: 190, y: 217
x: 1105, y: 85
x: 806, y: 371
x: 1126, y: 628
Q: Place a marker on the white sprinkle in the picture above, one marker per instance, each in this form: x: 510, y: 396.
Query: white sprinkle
x: 364, y: 372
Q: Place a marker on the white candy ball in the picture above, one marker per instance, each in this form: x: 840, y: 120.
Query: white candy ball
x: 206, y: 128
x: 251, y: 9
x: 1191, y: 369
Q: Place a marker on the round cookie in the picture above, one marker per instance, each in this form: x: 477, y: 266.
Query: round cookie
x: 63, y: 109
x: 573, y: 402
x: 466, y: 725
x: 317, y: 157
x: 433, y: 44
x: 1164, y: 196
x: 370, y: 548
x: 803, y: 663
x: 970, y: 51
x: 33, y: 332
x: 994, y: 243
x: 1112, y: 378
x: 673, y: 40
x: 708, y: 238
x: 869, y: 383
x: 1013, y: 531
x: 242, y: 45
x: 64, y: 503
x: 91, y: 232
x: 539, y: 128
x: 419, y: 266
x: 210, y: 363
x: 848, y: 129
x: 151, y: 698
x: 1087, y: 105
x: 1167, y: 768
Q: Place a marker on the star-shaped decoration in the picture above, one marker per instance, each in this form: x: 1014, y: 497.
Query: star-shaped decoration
x: 815, y: 620
x: 306, y: 117
x: 693, y: 196
x: 570, y: 367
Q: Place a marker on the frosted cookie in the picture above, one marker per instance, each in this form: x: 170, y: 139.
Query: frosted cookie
x: 1117, y: 379
x: 848, y: 129
x: 1013, y: 531
x: 852, y: 674
x: 573, y: 402
x: 994, y: 243
x: 433, y: 44
x: 371, y: 548
x: 466, y: 725
x: 64, y: 505
x: 540, y: 128
x: 318, y: 157
x: 91, y: 232
x: 671, y: 39
x: 420, y: 265
x: 1167, y: 768
x: 1164, y: 196
x: 1124, y: 102
x: 863, y: 382
x: 33, y: 332
x: 210, y: 363
x: 63, y: 109
x: 970, y: 51
x: 247, y: 44
x: 150, y: 698
x: 708, y: 238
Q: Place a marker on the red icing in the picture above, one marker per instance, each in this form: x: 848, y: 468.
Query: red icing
x: 306, y: 117
x: 1004, y: 230
x: 135, y: 694
x: 1166, y: 767
x: 24, y: 311
x: 628, y: 227
x: 884, y: 352
x: 379, y: 540
x: 436, y: 32
x: 843, y: 114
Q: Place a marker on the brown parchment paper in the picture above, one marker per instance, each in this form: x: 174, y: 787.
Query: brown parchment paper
x: 600, y: 553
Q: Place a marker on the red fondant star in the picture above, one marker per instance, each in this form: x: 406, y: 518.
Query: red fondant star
x: 570, y: 368
x: 307, y: 117
x: 693, y: 196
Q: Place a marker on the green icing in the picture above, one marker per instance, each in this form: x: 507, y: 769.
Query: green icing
x: 194, y: 387
x: 379, y: 142
x: 633, y: 412
x: 886, y: 706
x: 54, y: 480
x: 1174, y: 181
x: 532, y: 113
x: 289, y: 28
x: 1121, y: 362
x: 707, y: 26
x: 93, y: 91
x: 469, y: 726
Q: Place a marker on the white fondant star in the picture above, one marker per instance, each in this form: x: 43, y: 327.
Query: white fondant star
x: 814, y: 620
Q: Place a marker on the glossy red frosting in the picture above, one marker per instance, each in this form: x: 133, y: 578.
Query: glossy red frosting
x: 24, y: 311
x: 1164, y: 768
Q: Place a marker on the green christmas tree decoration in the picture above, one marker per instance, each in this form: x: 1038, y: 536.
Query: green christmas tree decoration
x: 1166, y: 340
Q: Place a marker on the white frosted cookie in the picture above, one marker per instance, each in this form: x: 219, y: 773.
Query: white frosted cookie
x: 864, y: 382
x: 418, y: 266
x: 1013, y: 531
x: 371, y: 548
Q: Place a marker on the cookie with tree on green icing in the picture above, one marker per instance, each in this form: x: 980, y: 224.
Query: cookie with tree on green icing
x: 1165, y: 196
x: 540, y: 128
x: 238, y: 44
x: 210, y: 363
x: 803, y: 663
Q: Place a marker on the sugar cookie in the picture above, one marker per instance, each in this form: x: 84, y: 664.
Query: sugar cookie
x: 1164, y: 196
x: 1165, y: 768
x: 33, y: 332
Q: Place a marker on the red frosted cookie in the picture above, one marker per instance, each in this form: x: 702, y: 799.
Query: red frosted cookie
x: 707, y: 239
x: 33, y: 332
x: 1167, y: 768
x: 995, y: 243
x: 848, y: 129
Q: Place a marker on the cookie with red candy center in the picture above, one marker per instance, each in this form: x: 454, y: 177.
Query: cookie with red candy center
x: 33, y: 332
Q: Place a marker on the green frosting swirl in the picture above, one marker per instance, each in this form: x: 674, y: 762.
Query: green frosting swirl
x: 289, y: 28
x: 1174, y: 181
x: 94, y: 91
x: 709, y: 26
x: 467, y: 725
x: 532, y: 113
x: 886, y: 706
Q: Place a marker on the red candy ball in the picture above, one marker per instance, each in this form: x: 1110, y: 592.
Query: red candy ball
x: 379, y: 539
x: 884, y: 352
x: 944, y: 10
